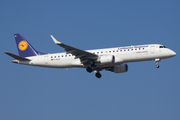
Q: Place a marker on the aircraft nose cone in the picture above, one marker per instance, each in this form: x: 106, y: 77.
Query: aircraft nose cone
x: 172, y: 53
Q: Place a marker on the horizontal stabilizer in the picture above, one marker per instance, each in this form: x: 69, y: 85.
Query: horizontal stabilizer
x: 17, y: 57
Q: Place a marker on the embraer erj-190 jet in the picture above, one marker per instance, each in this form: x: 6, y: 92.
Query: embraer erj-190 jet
x: 110, y: 59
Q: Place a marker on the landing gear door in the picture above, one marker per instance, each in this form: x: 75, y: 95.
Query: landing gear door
x: 152, y: 49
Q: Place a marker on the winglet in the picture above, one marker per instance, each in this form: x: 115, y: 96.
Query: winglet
x: 57, y: 42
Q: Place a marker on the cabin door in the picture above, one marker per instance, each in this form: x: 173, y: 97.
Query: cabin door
x: 152, y: 49
x: 46, y: 59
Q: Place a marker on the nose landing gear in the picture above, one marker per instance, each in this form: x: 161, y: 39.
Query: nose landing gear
x: 157, y: 60
x: 157, y: 66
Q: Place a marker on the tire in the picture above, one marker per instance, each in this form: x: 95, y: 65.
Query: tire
x: 88, y: 69
x: 157, y: 66
x: 98, y: 75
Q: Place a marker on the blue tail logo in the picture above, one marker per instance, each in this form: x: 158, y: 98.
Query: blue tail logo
x: 24, y: 47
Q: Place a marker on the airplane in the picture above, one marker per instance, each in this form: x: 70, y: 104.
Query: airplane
x: 109, y: 59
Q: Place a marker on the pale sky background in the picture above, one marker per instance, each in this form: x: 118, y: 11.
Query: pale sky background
x: 142, y: 93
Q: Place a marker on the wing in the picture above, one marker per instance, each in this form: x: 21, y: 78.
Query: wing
x: 84, y: 56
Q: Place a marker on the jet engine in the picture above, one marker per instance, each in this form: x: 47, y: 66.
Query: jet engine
x: 119, y: 68
x: 106, y: 59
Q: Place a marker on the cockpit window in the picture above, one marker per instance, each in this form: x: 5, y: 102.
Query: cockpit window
x: 162, y: 47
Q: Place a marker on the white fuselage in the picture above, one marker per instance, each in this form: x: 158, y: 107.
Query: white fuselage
x: 121, y: 54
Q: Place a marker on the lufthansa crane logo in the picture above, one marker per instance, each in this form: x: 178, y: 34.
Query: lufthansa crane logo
x: 23, y: 45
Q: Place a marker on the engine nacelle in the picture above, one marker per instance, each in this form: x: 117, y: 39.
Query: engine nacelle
x: 120, y: 68
x: 106, y: 59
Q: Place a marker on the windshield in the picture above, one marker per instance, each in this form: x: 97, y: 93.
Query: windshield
x: 162, y: 47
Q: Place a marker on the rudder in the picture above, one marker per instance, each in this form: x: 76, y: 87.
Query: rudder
x: 24, y: 47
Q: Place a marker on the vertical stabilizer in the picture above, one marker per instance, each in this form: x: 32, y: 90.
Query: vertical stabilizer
x: 24, y: 47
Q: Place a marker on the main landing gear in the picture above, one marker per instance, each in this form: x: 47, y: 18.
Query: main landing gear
x: 88, y: 69
x: 157, y: 60
x: 98, y: 74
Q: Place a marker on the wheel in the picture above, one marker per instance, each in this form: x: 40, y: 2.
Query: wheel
x: 98, y: 75
x: 89, y: 69
x: 157, y: 66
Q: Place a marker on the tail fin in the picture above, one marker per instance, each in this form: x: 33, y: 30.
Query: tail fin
x: 24, y: 47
